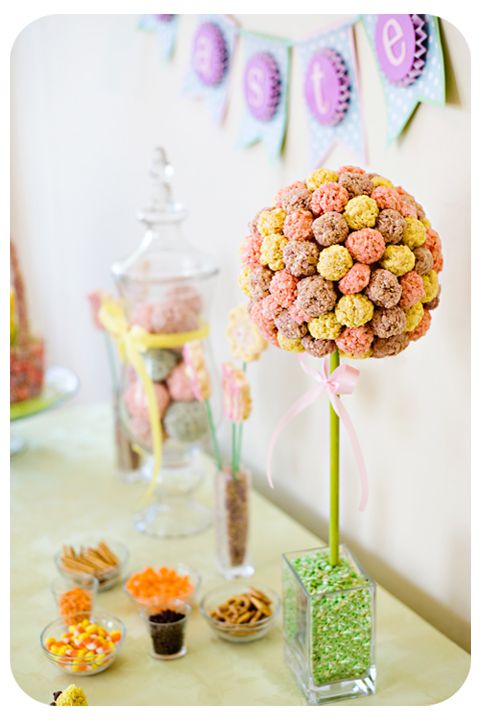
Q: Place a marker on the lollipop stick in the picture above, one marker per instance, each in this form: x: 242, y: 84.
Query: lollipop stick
x: 334, y: 474
x: 213, y: 434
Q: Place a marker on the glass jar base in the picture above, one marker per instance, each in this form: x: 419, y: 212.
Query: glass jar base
x: 330, y: 692
x: 175, y: 656
x: 173, y: 518
x: 239, y: 571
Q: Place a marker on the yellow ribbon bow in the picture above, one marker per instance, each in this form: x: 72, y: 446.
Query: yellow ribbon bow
x: 132, y: 341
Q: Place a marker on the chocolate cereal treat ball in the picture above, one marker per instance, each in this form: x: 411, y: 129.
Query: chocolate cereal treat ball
x: 356, y: 183
x: 258, y: 282
x: 330, y: 229
x: 424, y: 260
x: 297, y: 198
x: 391, y: 224
x: 315, y: 296
x: 288, y: 327
x: 317, y: 348
x: 384, y: 288
x: 344, y: 259
x: 386, y: 323
x: 383, y: 347
x: 301, y: 258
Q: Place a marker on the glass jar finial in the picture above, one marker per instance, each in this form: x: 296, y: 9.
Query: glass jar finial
x: 162, y: 208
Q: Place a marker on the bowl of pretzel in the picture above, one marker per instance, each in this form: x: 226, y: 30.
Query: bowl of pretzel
x: 104, y: 559
x: 240, y: 613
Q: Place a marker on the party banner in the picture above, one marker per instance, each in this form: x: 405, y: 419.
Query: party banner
x: 331, y: 93
x: 409, y: 54
x: 211, y: 60
x: 165, y: 27
x: 265, y: 81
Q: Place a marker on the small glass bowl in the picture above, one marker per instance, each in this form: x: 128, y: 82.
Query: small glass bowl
x: 168, y: 639
x: 157, y: 602
x: 107, y: 578
x: 238, y: 633
x: 62, y: 585
x: 78, y: 665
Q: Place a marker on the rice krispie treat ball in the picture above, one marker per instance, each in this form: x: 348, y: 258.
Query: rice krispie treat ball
x: 342, y: 259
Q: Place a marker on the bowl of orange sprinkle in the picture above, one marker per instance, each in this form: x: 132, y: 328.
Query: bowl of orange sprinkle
x: 75, y: 598
x: 153, y: 588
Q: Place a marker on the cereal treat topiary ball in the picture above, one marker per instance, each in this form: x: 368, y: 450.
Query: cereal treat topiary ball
x: 342, y: 260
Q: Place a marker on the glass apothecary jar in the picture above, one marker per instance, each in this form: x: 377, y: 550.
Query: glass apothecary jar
x: 166, y: 288
x: 232, y: 501
x: 329, y: 625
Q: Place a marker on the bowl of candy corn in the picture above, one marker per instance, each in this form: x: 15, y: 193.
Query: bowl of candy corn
x: 87, y: 646
x: 104, y: 559
x: 152, y: 588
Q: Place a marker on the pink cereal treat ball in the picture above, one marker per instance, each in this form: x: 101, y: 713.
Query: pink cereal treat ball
x: 283, y: 287
x: 355, y: 341
x: 298, y: 225
x: 412, y: 289
x: 366, y: 246
x: 330, y: 197
x: 356, y: 279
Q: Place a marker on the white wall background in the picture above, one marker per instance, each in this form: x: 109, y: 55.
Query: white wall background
x: 91, y: 98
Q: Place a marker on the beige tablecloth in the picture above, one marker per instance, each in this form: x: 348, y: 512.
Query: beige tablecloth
x: 65, y: 485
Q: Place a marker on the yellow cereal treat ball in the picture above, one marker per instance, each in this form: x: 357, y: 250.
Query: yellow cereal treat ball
x: 72, y: 695
x: 272, y: 250
x: 414, y: 315
x: 379, y: 181
x: 431, y: 286
x: 325, y: 327
x: 350, y: 356
x: 243, y: 281
x: 354, y: 310
x: 414, y: 233
x: 334, y: 262
x: 426, y: 222
x: 320, y: 177
x: 398, y: 259
x: 271, y: 221
x: 361, y: 212
x: 293, y: 345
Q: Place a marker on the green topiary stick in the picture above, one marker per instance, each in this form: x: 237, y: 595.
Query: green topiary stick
x: 334, y: 474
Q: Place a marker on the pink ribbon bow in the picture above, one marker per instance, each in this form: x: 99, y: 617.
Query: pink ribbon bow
x: 340, y: 382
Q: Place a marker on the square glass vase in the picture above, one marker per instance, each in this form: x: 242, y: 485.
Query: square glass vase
x: 329, y: 625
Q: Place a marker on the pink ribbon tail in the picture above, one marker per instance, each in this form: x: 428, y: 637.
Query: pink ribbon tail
x: 301, y: 404
x: 340, y: 382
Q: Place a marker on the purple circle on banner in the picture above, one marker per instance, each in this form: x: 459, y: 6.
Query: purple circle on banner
x: 209, y: 55
x: 395, y: 40
x: 165, y: 18
x: 326, y: 87
x: 262, y: 86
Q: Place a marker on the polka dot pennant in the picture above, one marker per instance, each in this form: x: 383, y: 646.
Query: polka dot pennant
x: 331, y: 93
x: 165, y: 27
x: 265, y: 91
x: 209, y: 70
x: 396, y: 41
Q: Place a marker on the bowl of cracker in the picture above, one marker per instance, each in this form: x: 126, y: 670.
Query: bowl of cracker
x: 105, y: 559
x: 241, y: 613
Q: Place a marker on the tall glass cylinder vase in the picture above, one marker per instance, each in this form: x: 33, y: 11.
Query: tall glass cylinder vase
x: 232, y: 502
x: 329, y: 625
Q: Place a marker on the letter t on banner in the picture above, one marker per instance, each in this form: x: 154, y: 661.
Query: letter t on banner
x: 331, y: 93
x: 265, y: 89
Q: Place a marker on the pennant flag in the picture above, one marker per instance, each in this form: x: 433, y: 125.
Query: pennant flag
x: 165, y: 26
x: 409, y: 54
x: 211, y: 60
x: 331, y: 93
x: 265, y: 90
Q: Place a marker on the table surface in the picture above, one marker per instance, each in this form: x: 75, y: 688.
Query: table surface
x: 65, y: 485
